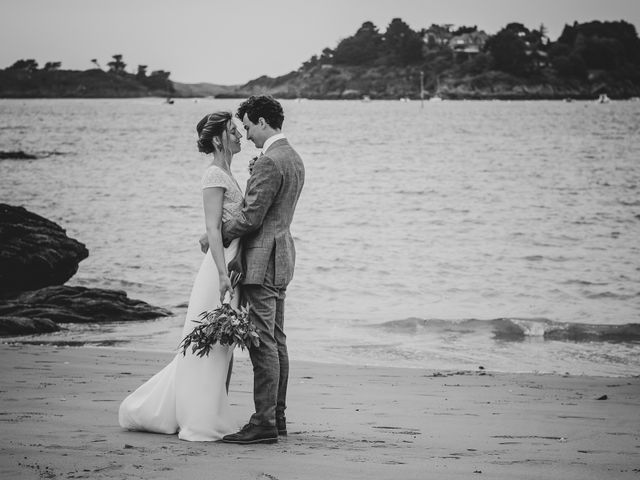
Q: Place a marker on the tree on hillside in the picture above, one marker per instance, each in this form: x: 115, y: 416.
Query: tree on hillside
x: 625, y: 33
x: 312, y: 62
x: 362, y: 48
x: 142, y: 72
x: 401, y: 44
x: 95, y: 62
x: 566, y: 62
x: 29, y: 65
x: 508, y: 49
x: 326, y: 56
x: 603, y: 45
x: 462, y: 30
x: 52, y: 66
x: 117, y: 65
x: 159, y: 80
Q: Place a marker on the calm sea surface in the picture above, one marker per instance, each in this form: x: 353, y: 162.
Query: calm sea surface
x: 464, y: 234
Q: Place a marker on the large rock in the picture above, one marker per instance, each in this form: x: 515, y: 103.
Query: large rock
x: 65, y: 304
x: 36, y: 257
x: 34, y: 252
x: 25, y: 326
x: 16, y: 155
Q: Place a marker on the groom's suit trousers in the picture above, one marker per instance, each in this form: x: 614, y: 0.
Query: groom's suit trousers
x: 269, y: 256
x: 270, y: 360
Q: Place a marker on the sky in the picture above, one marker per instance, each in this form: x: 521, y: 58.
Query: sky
x: 230, y: 42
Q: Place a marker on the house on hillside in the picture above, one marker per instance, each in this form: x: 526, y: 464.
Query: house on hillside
x: 437, y: 36
x: 468, y: 43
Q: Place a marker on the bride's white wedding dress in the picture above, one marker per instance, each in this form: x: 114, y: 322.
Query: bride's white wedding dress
x: 189, y: 395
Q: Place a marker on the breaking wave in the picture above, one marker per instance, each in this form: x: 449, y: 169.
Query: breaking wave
x: 517, y: 329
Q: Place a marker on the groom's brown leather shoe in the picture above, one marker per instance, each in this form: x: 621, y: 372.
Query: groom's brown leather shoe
x: 281, y: 425
x: 251, y: 434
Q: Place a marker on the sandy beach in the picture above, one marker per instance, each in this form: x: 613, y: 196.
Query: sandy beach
x: 59, y: 420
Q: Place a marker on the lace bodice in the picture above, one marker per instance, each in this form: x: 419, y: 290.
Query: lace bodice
x: 233, y: 201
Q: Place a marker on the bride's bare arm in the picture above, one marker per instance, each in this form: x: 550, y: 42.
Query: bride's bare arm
x: 212, y: 199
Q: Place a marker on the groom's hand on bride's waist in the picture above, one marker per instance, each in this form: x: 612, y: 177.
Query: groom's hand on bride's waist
x: 235, y: 265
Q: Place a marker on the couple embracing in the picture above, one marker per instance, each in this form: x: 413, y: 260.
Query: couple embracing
x: 249, y: 233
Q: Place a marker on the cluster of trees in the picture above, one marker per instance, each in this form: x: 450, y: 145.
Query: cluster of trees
x: 31, y: 65
x: 604, y: 46
x: 609, y: 46
x: 515, y: 49
x: 156, y: 80
x: 399, y: 45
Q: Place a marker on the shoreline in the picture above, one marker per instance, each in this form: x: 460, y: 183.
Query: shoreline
x: 60, y: 420
x: 439, y: 366
x: 586, y: 98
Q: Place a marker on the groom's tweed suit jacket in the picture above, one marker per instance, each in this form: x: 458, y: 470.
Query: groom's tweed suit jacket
x: 271, y: 196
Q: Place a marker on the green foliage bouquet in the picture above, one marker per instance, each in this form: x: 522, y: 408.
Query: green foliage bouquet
x: 224, y: 325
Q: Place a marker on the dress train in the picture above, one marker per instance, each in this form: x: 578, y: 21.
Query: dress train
x: 189, y: 395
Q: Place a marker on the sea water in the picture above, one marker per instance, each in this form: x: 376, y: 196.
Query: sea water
x: 447, y: 236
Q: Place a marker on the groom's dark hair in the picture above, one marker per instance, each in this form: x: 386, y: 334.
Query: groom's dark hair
x: 264, y: 106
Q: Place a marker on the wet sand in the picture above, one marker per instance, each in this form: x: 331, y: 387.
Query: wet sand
x: 59, y: 420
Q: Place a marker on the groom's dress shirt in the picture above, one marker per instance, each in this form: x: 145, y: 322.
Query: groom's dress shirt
x: 269, y: 141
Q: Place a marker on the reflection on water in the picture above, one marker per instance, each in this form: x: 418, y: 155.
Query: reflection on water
x: 458, y: 211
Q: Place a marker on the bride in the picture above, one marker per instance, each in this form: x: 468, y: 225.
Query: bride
x: 189, y: 396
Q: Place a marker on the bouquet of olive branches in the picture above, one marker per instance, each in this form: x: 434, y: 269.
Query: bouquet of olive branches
x: 224, y: 325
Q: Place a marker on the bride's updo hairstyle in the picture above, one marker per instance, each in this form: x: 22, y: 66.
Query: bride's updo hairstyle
x: 210, y: 131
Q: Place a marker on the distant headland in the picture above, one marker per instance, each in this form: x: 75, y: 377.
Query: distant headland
x: 442, y: 62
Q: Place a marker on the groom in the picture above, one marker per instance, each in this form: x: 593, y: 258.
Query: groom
x: 268, y: 260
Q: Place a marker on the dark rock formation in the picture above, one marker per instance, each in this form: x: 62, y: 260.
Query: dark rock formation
x: 34, y: 252
x: 21, y: 155
x: 65, y: 304
x: 10, y: 325
x: 17, y: 155
x: 36, y: 258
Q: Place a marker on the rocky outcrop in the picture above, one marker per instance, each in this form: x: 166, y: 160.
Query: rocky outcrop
x: 21, y: 155
x: 34, y: 252
x: 341, y: 82
x: 66, y: 304
x: 16, y: 155
x: 36, y: 258
x: 13, y: 325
